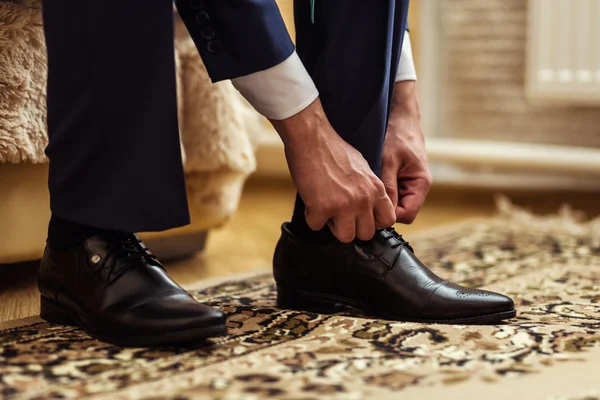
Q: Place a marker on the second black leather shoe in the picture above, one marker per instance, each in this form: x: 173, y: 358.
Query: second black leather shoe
x: 114, y: 288
x: 381, y: 277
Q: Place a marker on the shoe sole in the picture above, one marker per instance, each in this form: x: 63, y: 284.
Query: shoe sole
x: 56, y: 313
x: 323, y: 303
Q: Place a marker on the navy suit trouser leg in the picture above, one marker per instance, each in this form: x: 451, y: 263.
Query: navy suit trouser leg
x: 352, y: 51
x: 115, y: 156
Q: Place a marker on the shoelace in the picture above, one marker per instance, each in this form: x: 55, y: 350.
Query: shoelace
x: 132, y: 247
x: 312, y: 11
x: 398, y: 239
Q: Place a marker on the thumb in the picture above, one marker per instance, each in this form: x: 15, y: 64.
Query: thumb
x: 407, y: 210
x: 413, y: 197
x: 389, y: 177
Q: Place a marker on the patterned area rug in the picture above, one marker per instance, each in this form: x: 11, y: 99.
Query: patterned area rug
x: 551, y: 266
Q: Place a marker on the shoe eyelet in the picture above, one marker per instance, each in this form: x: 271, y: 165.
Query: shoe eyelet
x: 96, y: 259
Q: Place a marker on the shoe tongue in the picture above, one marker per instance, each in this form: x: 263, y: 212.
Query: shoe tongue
x: 126, y: 251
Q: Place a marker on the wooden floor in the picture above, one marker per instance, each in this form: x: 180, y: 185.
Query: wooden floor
x: 247, y: 242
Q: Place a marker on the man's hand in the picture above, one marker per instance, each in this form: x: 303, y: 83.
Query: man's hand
x: 334, y: 180
x: 405, y: 172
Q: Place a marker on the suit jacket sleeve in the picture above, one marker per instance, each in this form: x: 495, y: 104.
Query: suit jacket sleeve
x: 236, y: 37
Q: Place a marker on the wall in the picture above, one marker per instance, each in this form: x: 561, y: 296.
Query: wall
x: 287, y: 11
x: 482, y: 69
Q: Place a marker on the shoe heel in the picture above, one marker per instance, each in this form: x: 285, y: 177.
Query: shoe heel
x: 294, y: 299
x: 51, y: 311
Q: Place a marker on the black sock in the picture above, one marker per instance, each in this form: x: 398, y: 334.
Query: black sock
x: 63, y: 234
x: 300, y: 228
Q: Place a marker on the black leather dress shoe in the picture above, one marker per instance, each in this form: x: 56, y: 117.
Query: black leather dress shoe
x: 114, y: 288
x: 380, y: 277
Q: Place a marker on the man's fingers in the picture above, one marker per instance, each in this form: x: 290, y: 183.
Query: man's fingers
x: 344, y: 229
x: 384, y: 213
x: 315, y: 221
x: 365, y: 226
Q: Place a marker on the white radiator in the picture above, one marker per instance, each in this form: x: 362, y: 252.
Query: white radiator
x: 563, y: 51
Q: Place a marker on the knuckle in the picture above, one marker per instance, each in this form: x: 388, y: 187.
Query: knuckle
x: 375, y: 180
x: 380, y: 192
x: 321, y: 206
x: 342, y: 204
x: 377, y: 185
x: 388, y: 185
x: 327, y: 208
x: 388, y: 181
x: 363, y: 200
x: 388, y: 158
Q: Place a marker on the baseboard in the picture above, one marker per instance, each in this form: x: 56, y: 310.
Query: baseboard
x: 516, y: 156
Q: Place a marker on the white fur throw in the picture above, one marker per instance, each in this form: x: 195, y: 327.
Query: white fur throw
x: 22, y: 83
x: 216, y: 123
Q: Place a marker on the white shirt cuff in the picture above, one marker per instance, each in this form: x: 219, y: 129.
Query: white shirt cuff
x: 406, y: 67
x: 281, y: 91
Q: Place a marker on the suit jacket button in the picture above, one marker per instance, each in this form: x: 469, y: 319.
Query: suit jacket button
x: 202, y: 17
x: 196, y: 4
x: 213, y: 46
x: 208, y: 32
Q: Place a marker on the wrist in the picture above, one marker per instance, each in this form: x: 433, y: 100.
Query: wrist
x: 405, y: 101
x: 302, y: 127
